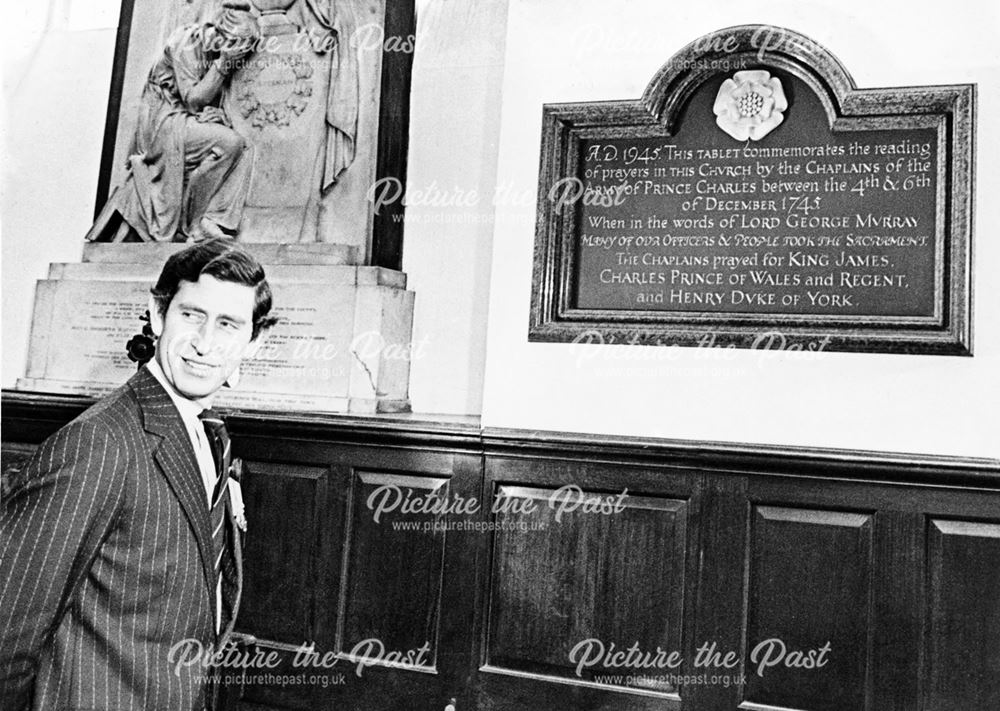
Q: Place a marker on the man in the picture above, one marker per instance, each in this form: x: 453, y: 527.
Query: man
x: 189, y: 171
x: 118, y: 540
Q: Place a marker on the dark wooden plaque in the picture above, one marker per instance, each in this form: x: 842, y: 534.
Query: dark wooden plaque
x: 755, y: 197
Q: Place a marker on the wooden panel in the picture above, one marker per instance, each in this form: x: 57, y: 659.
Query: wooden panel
x: 809, y: 589
x: 284, y: 560
x: 896, y: 626
x: 774, y: 543
x: 393, y: 580
x: 385, y: 583
x: 586, y: 582
x: 963, y: 643
x: 718, y: 607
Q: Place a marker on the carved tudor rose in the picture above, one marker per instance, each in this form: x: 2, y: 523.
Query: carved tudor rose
x: 750, y: 105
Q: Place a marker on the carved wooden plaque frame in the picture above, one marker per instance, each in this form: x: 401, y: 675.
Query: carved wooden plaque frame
x: 944, y: 112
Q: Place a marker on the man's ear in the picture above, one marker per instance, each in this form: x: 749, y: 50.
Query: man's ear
x: 253, y: 347
x: 155, y: 317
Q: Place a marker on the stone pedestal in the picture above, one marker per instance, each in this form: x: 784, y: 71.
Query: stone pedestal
x: 342, y: 345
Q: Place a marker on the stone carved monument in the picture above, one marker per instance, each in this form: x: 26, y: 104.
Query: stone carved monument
x: 296, y: 101
x: 310, y: 105
x: 188, y: 168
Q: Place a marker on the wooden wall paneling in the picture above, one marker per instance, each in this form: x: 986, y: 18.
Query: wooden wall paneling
x: 393, y: 576
x: 411, y: 588
x: 794, y: 535
x: 959, y: 617
x: 836, y: 467
x: 869, y: 651
x: 962, y: 652
x: 288, y: 517
x: 388, y: 589
x: 717, y: 609
x: 809, y: 600
x: 621, y: 579
x: 915, y: 659
x: 899, y: 598
x: 320, y: 451
x: 464, y: 567
x: 617, y: 579
x: 400, y: 434
x: 296, y: 525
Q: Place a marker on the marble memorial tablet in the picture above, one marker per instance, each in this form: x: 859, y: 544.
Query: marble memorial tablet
x: 341, y: 345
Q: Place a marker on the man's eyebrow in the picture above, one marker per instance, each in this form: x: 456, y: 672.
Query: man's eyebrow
x: 192, y: 307
x: 239, y: 320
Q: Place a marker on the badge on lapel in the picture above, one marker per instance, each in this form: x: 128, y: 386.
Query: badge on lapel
x: 236, y: 499
x: 236, y: 494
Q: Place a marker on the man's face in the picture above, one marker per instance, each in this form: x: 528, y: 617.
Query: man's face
x: 204, y: 334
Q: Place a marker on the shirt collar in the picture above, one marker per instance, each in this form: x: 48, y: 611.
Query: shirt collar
x: 189, y: 409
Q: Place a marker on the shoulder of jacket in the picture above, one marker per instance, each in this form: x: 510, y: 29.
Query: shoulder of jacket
x: 118, y: 409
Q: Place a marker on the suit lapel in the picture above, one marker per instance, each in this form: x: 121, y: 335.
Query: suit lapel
x: 176, y: 459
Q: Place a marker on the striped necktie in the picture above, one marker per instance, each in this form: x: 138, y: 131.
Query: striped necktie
x: 218, y: 441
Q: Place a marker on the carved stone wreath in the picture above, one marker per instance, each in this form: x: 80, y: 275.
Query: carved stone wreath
x: 261, y: 112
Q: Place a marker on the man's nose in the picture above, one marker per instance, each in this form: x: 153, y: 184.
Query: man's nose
x: 204, y: 338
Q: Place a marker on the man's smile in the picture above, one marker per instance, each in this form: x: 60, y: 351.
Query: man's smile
x: 199, y: 367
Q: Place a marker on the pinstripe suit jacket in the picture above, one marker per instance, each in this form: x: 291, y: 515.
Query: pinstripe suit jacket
x: 106, y: 563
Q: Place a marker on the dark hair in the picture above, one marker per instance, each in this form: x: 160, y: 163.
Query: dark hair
x: 221, y: 259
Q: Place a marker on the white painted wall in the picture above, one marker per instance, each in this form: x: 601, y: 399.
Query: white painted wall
x: 580, y: 50
x: 454, y: 129
x: 56, y: 75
